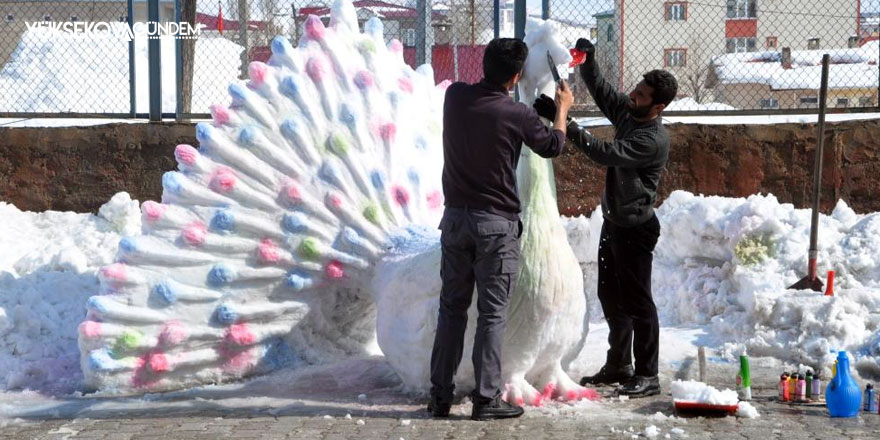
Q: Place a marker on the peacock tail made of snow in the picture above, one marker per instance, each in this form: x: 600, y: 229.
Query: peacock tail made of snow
x: 268, y: 233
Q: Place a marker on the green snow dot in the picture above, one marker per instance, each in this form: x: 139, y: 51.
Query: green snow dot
x: 372, y: 214
x: 339, y: 144
x: 367, y: 45
x: 128, y: 340
x: 309, y: 249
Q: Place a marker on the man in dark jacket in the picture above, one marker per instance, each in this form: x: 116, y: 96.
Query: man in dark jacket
x: 483, y: 133
x: 635, y: 159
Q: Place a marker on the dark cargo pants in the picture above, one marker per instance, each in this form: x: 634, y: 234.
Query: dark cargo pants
x: 482, y: 248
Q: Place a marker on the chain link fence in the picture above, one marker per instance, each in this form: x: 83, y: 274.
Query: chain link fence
x: 730, y: 56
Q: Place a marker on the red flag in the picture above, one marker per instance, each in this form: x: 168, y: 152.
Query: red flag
x: 220, y: 18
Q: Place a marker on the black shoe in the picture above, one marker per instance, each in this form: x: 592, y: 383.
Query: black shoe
x: 640, y: 386
x: 438, y: 408
x: 495, y: 409
x: 609, y: 376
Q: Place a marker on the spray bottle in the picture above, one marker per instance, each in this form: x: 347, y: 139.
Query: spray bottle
x: 801, y: 388
x: 809, y: 384
x: 870, y: 400
x: 783, y: 387
x: 744, y: 379
x: 817, y: 386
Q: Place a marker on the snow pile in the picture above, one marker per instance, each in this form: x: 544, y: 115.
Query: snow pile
x: 698, y: 392
x: 747, y: 410
x: 689, y: 104
x: 52, y: 71
x: 47, y: 272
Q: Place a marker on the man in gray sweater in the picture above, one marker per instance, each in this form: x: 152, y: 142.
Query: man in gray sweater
x: 635, y: 160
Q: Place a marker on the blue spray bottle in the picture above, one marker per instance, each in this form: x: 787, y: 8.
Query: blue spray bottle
x: 843, y: 396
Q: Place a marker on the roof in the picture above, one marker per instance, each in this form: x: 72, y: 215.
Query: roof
x: 381, y: 8
x: 608, y: 13
x: 210, y: 22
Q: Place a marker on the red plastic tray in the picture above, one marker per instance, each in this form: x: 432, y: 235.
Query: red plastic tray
x: 681, y: 405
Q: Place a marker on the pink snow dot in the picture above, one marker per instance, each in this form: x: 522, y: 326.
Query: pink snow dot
x: 401, y: 196
x: 238, y: 362
x: 334, y: 270
x: 194, y: 233
x: 363, y: 79
x: 549, y: 390
x: 159, y: 362
x: 153, y: 210
x: 315, y: 28
x: 519, y: 401
x: 571, y: 395
x: 269, y: 251
x: 257, y: 71
x: 395, y: 46
x: 90, y: 329
x: 293, y: 193
x: 388, y: 132
x: 435, y: 199
x: 444, y: 84
x: 316, y: 68
x: 335, y: 200
x: 115, y: 271
x: 186, y: 154
x: 220, y: 114
x: 224, y: 180
x: 173, y: 333
x: 405, y: 84
x: 589, y: 394
x: 240, y: 334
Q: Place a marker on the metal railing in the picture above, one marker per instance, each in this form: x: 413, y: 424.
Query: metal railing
x: 731, y: 57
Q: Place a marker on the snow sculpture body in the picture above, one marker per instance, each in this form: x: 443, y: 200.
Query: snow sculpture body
x: 307, y: 217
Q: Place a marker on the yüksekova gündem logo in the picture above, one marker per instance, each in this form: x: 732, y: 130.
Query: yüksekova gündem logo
x: 117, y: 30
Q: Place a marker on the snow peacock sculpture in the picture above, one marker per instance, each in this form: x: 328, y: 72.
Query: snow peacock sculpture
x: 307, y: 220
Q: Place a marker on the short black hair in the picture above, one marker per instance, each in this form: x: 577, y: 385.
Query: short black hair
x: 664, y: 84
x: 504, y: 58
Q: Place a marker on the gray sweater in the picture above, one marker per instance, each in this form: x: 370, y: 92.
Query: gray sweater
x: 635, y: 158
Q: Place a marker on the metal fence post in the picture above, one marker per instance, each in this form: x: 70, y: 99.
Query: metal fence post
x: 545, y: 9
x: 496, y: 17
x: 178, y: 55
x: 519, y: 19
x: 155, y: 59
x: 132, y: 89
x: 423, y: 32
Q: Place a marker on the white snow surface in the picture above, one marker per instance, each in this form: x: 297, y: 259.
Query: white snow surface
x: 698, y: 392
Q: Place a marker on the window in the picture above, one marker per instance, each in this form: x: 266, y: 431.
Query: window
x: 676, y: 11
x: 123, y: 18
x: 769, y: 103
x: 74, y: 18
x: 813, y: 44
x: 47, y: 17
x: 843, y: 102
x: 409, y: 37
x: 772, y: 43
x: 10, y: 18
x: 742, y: 8
x: 674, y: 57
x: 866, y: 101
x: 610, y: 32
x: 741, y: 44
x: 809, y: 102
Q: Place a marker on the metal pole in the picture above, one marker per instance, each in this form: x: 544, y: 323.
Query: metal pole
x: 817, y: 170
x: 519, y: 19
x: 545, y: 9
x: 155, y: 58
x: 496, y: 18
x: 178, y: 55
x: 423, y: 29
x: 132, y: 89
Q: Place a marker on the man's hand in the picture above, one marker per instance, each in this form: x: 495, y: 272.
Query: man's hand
x: 546, y: 107
x: 564, y: 97
x: 586, y: 47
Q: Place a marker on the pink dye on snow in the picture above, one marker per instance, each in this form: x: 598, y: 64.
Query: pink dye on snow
x: 292, y: 192
x: 237, y: 362
x: 115, y: 271
x: 363, y: 79
x: 519, y: 401
x: 173, y: 333
x: 395, y: 46
x: 186, y: 154
x: 401, y: 196
x: 195, y: 233
x: 444, y: 84
x: 220, y: 114
x: 224, y: 180
x: 589, y: 394
x: 435, y: 199
x: 268, y: 251
x: 316, y: 67
x: 257, y: 71
x: 153, y: 210
x: 388, y: 132
x: 90, y: 329
x: 240, y: 334
x: 159, y: 362
x: 334, y: 270
x: 549, y: 390
x: 315, y: 28
x: 405, y: 84
x: 335, y: 200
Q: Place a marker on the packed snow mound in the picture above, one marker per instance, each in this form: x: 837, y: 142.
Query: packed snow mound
x: 699, y: 392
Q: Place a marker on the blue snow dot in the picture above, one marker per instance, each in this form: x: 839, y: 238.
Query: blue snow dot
x: 351, y: 236
x: 127, y: 244
x: 294, y: 223
x: 373, y: 26
x: 172, y: 181
x: 223, y: 221
x: 421, y: 143
x: 279, y: 354
x: 100, y: 360
x: 330, y: 172
x: 221, y: 274
x: 413, y: 175
x: 289, y: 128
x: 394, y: 98
x: 166, y: 292
x: 378, y: 179
x: 226, y: 314
x: 97, y: 303
x: 347, y: 116
x: 280, y: 45
x: 247, y: 135
x: 237, y: 92
x: 297, y: 281
x: 204, y: 132
x: 288, y: 87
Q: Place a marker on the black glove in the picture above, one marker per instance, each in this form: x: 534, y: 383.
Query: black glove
x: 586, y: 47
x: 546, y: 107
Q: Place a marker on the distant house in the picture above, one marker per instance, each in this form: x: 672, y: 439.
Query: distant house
x: 791, y: 79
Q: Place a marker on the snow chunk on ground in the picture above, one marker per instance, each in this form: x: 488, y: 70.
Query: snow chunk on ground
x: 747, y: 410
x: 693, y: 391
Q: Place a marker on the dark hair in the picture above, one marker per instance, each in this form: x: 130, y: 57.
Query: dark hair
x: 504, y: 58
x: 664, y: 84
